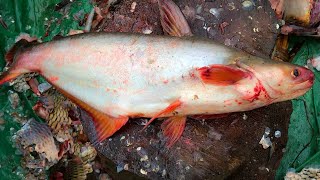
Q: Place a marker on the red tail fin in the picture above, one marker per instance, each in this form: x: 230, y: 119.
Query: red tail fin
x: 16, y: 68
x: 8, y: 76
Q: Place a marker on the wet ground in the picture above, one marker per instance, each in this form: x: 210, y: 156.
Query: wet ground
x: 213, y: 149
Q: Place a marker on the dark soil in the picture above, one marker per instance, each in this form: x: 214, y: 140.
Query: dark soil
x: 213, y: 149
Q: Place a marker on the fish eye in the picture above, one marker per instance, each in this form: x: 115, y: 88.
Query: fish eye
x: 295, y: 73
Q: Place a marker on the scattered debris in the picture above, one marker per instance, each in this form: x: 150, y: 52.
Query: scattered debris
x: 216, y: 12
x: 315, y: 62
x: 20, y: 84
x: 147, y: 30
x: 133, y: 6
x: 43, y: 87
x: 200, y: 18
x: 13, y: 99
x: 222, y: 27
x: 247, y: 5
x: 86, y: 152
x: 199, y: 9
x: 126, y: 167
x: 265, y: 142
x: 231, y: 6
x: 244, y: 117
x: 76, y: 169
x: 74, y: 32
x: 306, y: 173
x: 143, y: 172
x: 255, y: 30
x: 277, y: 134
x: 38, y: 148
x: 213, y: 134
x: 104, y: 176
x: 267, y: 131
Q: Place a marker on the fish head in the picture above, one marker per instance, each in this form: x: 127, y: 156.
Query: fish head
x: 281, y: 80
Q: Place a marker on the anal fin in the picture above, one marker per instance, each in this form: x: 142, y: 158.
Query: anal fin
x: 173, y: 128
x: 169, y: 109
x: 105, y: 125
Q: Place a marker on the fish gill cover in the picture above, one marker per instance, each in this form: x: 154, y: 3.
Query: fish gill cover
x: 43, y: 19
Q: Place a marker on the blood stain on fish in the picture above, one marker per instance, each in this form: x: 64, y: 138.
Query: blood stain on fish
x: 53, y: 79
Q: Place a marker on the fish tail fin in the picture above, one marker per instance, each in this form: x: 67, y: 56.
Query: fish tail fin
x: 16, y: 66
x: 8, y: 76
x: 172, y: 20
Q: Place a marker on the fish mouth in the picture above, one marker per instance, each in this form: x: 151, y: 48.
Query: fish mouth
x: 305, y: 81
x: 306, y: 85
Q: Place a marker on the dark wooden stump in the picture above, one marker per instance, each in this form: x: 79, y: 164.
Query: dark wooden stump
x: 213, y: 149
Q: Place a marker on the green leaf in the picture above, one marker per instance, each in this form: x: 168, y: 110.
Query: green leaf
x: 302, y: 148
x: 37, y: 18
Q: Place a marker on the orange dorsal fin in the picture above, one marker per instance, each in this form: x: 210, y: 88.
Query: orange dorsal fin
x: 105, y: 125
x: 172, y: 20
x: 169, y: 109
x: 221, y: 74
x: 173, y: 128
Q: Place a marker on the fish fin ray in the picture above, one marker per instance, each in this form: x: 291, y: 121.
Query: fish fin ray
x: 172, y: 20
x: 105, y: 124
x: 221, y: 74
x: 169, y: 109
x: 173, y: 128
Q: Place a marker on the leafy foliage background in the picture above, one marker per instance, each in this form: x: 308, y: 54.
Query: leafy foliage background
x: 303, y: 146
x: 41, y: 19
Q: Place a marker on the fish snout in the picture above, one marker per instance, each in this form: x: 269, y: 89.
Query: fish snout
x: 304, y: 75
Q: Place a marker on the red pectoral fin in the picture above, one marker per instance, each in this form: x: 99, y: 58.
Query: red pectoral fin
x: 105, y: 125
x: 222, y: 74
x: 173, y: 128
x: 169, y: 109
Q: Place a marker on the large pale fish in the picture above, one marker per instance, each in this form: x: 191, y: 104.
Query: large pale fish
x: 115, y: 76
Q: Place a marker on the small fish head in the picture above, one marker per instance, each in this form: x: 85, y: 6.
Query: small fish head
x: 282, y: 81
